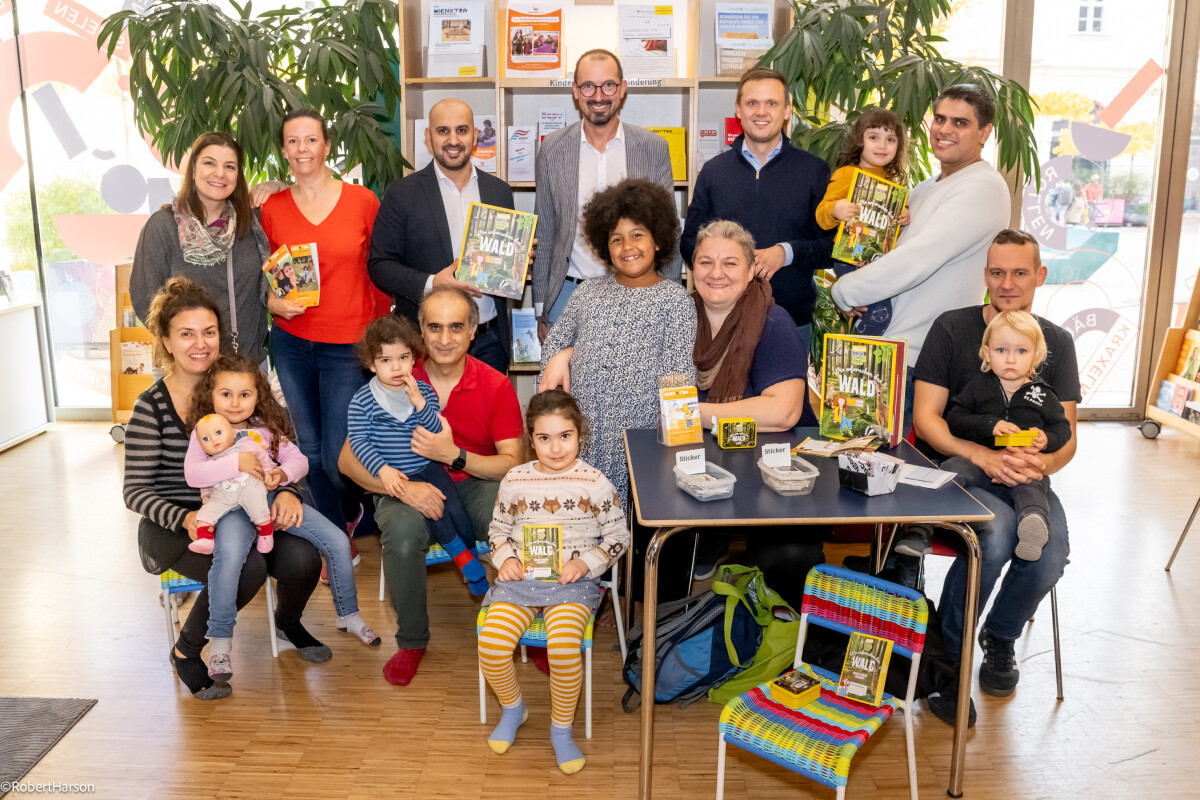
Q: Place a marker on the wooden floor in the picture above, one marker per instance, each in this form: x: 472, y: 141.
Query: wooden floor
x: 79, y: 618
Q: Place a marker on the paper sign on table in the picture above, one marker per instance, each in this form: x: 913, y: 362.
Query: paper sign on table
x: 690, y: 462
x: 777, y: 455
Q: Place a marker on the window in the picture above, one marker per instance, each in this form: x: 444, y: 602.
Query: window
x: 1091, y: 16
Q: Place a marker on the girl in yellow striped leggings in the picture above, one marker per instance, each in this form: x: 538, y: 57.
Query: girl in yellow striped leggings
x: 559, y: 491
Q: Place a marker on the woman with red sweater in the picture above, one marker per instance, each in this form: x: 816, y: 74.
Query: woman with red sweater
x: 313, y: 348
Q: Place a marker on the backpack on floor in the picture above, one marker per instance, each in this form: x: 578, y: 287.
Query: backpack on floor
x: 780, y: 630
x: 700, y: 642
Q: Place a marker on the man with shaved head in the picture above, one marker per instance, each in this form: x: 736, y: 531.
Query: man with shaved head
x: 418, y: 231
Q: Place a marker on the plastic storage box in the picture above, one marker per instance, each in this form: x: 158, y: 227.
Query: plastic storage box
x: 712, y: 484
x: 797, y: 479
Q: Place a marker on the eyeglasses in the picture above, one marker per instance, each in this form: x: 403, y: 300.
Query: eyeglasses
x: 609, y: 88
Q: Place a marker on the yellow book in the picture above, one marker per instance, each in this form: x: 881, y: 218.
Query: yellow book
x: 677, y: 145
x: 1019, y: 439
x: 679, y: 415
x: 864, y: 671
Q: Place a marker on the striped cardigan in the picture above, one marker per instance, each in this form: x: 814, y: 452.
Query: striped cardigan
x: 557, y: 202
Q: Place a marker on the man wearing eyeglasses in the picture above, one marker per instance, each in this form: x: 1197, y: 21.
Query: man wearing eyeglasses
x: 573, y: 164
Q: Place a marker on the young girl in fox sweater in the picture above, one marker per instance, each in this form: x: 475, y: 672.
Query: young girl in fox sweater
x: 561, y: 490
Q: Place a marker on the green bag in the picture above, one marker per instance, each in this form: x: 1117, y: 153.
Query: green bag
x: 780, y: 623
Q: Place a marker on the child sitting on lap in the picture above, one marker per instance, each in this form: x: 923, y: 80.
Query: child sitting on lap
x: 1006, y: 398
x: 382, y: 418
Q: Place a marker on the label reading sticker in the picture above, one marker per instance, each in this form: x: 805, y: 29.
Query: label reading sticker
x: 777, y: 455
x: 690, y: 462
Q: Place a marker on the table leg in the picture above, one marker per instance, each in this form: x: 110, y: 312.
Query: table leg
x: 966, y: 658
x: 649, y: 629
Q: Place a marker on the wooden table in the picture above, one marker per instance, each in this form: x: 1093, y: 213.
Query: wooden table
x: 660, y: 504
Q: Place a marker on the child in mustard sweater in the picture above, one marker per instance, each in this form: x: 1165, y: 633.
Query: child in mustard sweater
x: 877, y: 144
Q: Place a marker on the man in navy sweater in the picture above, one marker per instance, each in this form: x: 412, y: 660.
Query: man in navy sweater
x: 772, y: 189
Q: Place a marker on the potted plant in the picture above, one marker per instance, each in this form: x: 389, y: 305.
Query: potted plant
x: 839, y: 58
x: 194, y: 69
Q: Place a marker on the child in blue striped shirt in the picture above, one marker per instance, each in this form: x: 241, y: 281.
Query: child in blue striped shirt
x: 382, y: 417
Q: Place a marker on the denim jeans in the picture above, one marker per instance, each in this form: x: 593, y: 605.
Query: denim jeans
x: 560, y: 303
x: 235, y: 536
x: 404, y: 537
x: 318, y: 382
x: 488, y: 348
x: 1025, y: 585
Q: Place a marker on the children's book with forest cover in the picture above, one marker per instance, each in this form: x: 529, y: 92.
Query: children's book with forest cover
x: 862, y: 387
x: 495, y: 250
x: 541, y: 552
x: 865, y: 668
x: 874, y: 230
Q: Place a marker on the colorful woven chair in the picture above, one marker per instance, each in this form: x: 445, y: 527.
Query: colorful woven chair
x: 821, y: 738
x: 172, y: 588
x: 535, y: 636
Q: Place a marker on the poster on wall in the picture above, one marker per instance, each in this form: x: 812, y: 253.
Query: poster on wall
x: 534, y: 39
x: 647, y: 44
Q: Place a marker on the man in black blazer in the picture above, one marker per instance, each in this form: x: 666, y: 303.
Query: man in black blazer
x: 419, y: 229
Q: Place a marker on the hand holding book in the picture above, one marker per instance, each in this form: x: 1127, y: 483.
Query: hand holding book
x: 511, y: 570
x: 573, y: 570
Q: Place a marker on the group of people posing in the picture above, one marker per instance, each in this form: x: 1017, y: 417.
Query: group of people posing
x: 400, y: 416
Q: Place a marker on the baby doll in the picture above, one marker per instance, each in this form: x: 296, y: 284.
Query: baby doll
x: 218, y: 439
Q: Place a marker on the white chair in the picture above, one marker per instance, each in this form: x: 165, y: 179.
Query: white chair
x: 174, y: 586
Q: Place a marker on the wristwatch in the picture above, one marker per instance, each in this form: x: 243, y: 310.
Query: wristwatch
x: 460, y: 462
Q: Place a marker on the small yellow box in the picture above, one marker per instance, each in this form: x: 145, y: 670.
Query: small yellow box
x: 794, y: 689
x: 1019, y: 439
x: 736, y: 433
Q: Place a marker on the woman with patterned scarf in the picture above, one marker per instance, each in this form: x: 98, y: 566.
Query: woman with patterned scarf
x: 748, y: 356
x: 211, y: 235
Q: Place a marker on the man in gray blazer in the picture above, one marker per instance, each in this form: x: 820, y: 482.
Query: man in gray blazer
x: 575, y: 162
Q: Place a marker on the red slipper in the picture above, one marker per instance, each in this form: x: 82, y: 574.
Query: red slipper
x: 401, y: 667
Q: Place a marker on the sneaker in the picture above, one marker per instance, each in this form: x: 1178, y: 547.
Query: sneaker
x: 1032, y: 535
x: 901, y: 569
x: 944, y: 706
x: 998, y: 674
x: 917, y: 542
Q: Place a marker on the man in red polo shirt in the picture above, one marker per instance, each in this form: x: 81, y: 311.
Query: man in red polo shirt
x: 480, y: 442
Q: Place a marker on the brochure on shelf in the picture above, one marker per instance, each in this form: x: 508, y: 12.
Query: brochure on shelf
x: 708, y: 142
x: 533, y: 34
x: 646, y: 37
x: 526, y: 347
x: 743, y: 36
x: 456, y: 39
x: 484, y: 156
x: 550, y: 120
x: 677, y: 147
x: 522, y: 148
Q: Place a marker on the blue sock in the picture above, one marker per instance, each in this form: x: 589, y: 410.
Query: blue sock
x: 468, y: 563
x: 570, y: 759
x: 506, y: 732
x: 479, y: 587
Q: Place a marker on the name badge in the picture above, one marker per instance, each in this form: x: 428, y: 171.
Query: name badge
x: 777, y: 455
x: 690, y: 462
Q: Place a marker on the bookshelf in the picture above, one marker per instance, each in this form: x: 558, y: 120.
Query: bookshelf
x: 1156, y: 418
x: 696, y: 95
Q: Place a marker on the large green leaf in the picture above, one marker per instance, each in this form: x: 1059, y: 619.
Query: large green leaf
x: 194, y: 69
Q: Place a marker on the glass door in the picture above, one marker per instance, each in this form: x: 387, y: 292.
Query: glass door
x: 1097, y: 76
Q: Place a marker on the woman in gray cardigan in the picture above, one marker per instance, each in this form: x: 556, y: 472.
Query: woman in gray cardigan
x: 211, y: 235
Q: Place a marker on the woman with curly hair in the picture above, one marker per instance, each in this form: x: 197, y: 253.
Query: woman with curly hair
x: 619, y: 333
